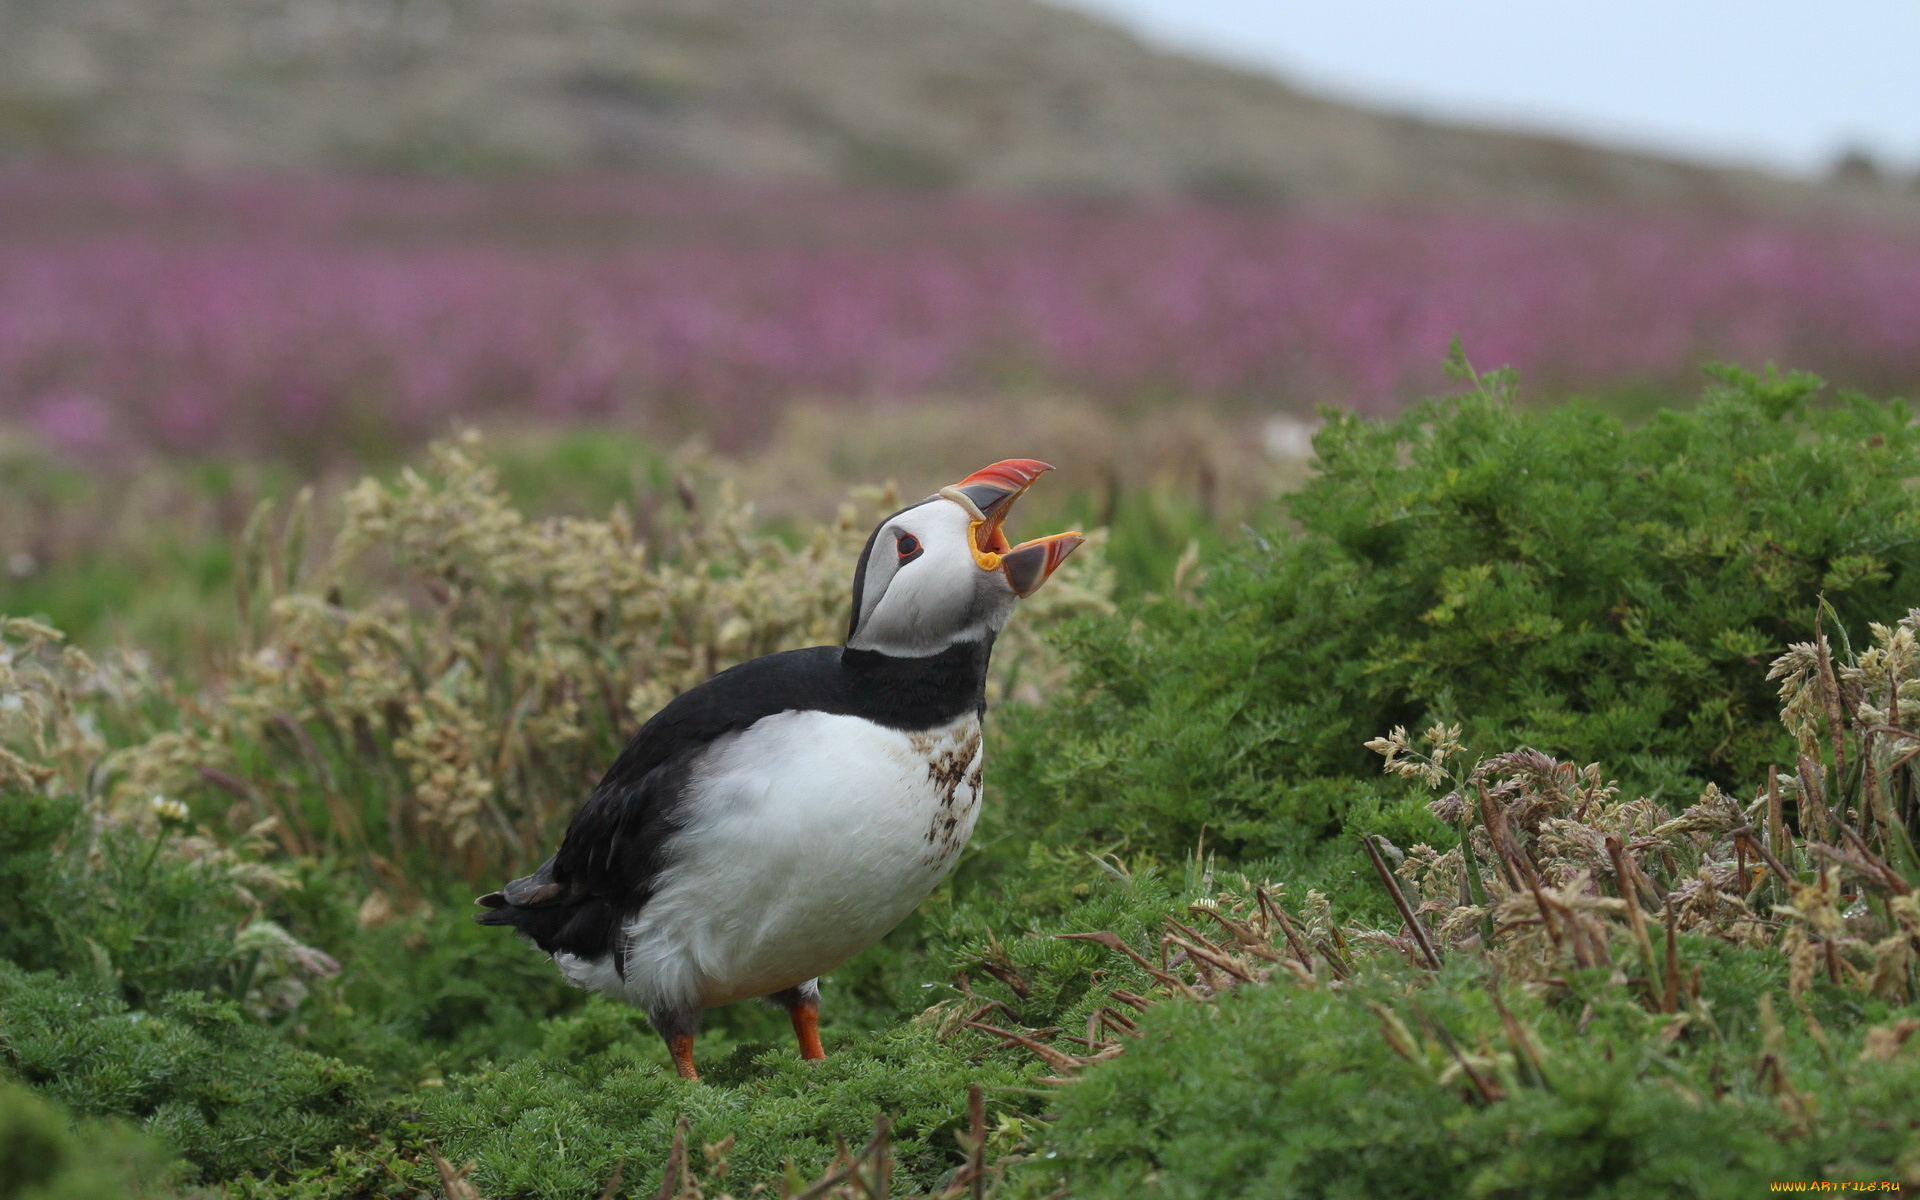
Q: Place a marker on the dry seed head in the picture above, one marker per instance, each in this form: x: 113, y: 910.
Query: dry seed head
x: 1449, y: 808
x: 1883, y: 1042
x: 1893, y: 957
x: 1391, y: 746
x: 1798, y: 671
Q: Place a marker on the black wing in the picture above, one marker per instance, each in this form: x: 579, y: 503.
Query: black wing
x: 579, y: 900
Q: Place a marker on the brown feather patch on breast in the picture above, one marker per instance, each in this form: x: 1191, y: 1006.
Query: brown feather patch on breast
x: 956, y: 783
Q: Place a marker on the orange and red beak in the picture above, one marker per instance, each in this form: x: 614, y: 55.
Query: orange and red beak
x: 989, y: 494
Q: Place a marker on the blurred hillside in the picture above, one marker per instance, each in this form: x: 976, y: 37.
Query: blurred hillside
x: 1001, y: 94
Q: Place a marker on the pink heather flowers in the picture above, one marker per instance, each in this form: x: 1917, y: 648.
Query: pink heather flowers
x: 210, y: 314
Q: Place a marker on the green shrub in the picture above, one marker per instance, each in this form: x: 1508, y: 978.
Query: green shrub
x: 599, y: 1096
x: 217, y: 1088
x: 1547, y: 578
x: 423, y: 992
x: 1280, y: 1092
x: 1520, y: 1026
x: 43, y: 1157
x: 109, y: 905
x: 556, y: 1124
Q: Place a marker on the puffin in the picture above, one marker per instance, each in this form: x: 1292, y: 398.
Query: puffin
x: 767, y: 825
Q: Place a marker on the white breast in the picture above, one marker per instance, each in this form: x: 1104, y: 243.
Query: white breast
x: 809, y: 837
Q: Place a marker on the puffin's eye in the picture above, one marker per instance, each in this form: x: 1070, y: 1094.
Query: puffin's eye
x: 909, y: 546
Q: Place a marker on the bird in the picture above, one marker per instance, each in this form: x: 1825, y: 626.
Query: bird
x: 766, y: 825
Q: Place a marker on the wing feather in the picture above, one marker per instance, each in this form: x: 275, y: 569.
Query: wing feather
x: 622, y: 836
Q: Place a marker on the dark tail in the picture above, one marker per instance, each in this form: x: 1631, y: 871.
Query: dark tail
x: 552, y: 915
x: 499, y: 911
x: 513, y: 904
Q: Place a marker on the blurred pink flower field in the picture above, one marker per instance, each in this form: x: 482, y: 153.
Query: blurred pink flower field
x: 140, y: 309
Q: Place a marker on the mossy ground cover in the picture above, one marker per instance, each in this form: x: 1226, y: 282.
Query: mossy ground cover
x: 1166, y: 962
x: 1277, y: 1092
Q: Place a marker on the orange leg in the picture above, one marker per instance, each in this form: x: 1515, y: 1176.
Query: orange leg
x: 806, y: 1027
x: 682, y: 1049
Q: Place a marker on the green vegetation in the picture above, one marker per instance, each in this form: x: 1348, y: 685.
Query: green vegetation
x: 112, y: 909
x: 1278, y: 1092
x: 233, y: 902
x: 222, y: 1091
x: 1550, y: 579
x: 43, y: 1156
x: 1531, y: 1037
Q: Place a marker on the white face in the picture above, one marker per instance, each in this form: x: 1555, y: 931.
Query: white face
x: 921, y: 590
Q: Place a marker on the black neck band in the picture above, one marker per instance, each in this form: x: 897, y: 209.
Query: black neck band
x: 919, y: 693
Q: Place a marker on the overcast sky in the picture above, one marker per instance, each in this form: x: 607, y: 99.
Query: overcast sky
x: 1785, y: 83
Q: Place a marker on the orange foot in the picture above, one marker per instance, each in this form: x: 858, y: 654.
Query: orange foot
x: 682, y: 1049
x: 806, y: 1027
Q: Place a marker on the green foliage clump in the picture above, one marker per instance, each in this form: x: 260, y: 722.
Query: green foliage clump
x: 44, y: 1157
x: 1277, y: 1091
x: 109, y: 906
x: 1548, y: 578
x: 221, y: 1090
x: 1515, y: 1030
x: 426, y: 993
x: 600, y: 1090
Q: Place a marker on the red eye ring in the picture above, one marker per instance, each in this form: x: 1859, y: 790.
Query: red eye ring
x: 908, y: 545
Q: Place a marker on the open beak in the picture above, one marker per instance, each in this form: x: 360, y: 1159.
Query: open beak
x: 989, y: 494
